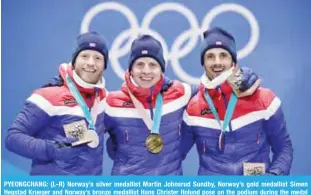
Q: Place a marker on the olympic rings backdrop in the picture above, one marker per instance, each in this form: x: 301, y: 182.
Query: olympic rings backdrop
x: 273, y: 38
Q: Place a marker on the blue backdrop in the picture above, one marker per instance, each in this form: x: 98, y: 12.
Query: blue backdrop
x: 39, y: 35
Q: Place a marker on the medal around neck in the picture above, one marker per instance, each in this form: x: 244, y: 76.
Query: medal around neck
x: 154, y: 143
x: 228, y: 115
x: 89, y: 134
x: 235, y: 80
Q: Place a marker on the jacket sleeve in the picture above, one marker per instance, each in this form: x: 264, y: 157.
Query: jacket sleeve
x: 111, y: 145
x: 279, y: 139
x: 187, y: 136
x: 21, y: 136
x: 55, y: 81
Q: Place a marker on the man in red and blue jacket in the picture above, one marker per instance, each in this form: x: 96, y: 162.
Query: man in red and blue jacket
x: 256, y: 128
x: 38, y: 132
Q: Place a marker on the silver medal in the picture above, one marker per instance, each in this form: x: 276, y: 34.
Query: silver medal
x: 93, y: 137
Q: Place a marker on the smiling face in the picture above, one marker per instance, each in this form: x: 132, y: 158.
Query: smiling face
x: 89, y: 66
x: 146, y: 72
x: 216, y: 61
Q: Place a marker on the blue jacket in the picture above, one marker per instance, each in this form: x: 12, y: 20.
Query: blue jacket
x: 257, y: 127
x: 128, y: 133
x: 42, y: 118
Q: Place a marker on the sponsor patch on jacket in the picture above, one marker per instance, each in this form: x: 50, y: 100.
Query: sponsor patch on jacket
x: 70, y: 101
x: 207, y: 111
x: 128, y: 103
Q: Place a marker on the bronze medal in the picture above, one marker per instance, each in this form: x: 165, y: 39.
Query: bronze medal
x: 235, y: 80
x: 154, y: 143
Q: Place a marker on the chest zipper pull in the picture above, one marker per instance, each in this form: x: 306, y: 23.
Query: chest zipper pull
x: 179, y: 130
x: 126, y: 136
x: 258, y: 138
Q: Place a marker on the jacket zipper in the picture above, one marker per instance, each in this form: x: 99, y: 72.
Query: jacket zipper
x: 226, y: 105
x: 179, y: 130
x: 126, y: 136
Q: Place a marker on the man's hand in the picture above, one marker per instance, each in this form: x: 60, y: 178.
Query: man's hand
x: 61, y: 149
x: 250, y: 82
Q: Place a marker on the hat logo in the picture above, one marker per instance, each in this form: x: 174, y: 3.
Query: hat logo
x: 144, y: 52
x: 218, y: 43
x: 92, y: 44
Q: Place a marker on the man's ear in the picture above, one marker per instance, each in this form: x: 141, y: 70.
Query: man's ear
x: 72, y: 65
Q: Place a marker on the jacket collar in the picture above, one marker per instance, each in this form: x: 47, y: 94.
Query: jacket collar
x: 217, y: 85
x: 141, y: 93
x: 100, y: 84
x: 83, y: 87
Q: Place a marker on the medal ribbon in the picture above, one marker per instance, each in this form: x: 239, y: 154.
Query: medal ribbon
x: 228, y: 115
x: 153, y: 126
x: 81, y: 102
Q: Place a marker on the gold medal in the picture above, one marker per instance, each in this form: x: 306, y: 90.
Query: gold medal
x: 154, y: 143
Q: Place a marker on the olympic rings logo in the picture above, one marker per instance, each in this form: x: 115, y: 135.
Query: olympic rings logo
x: 176, y: 51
